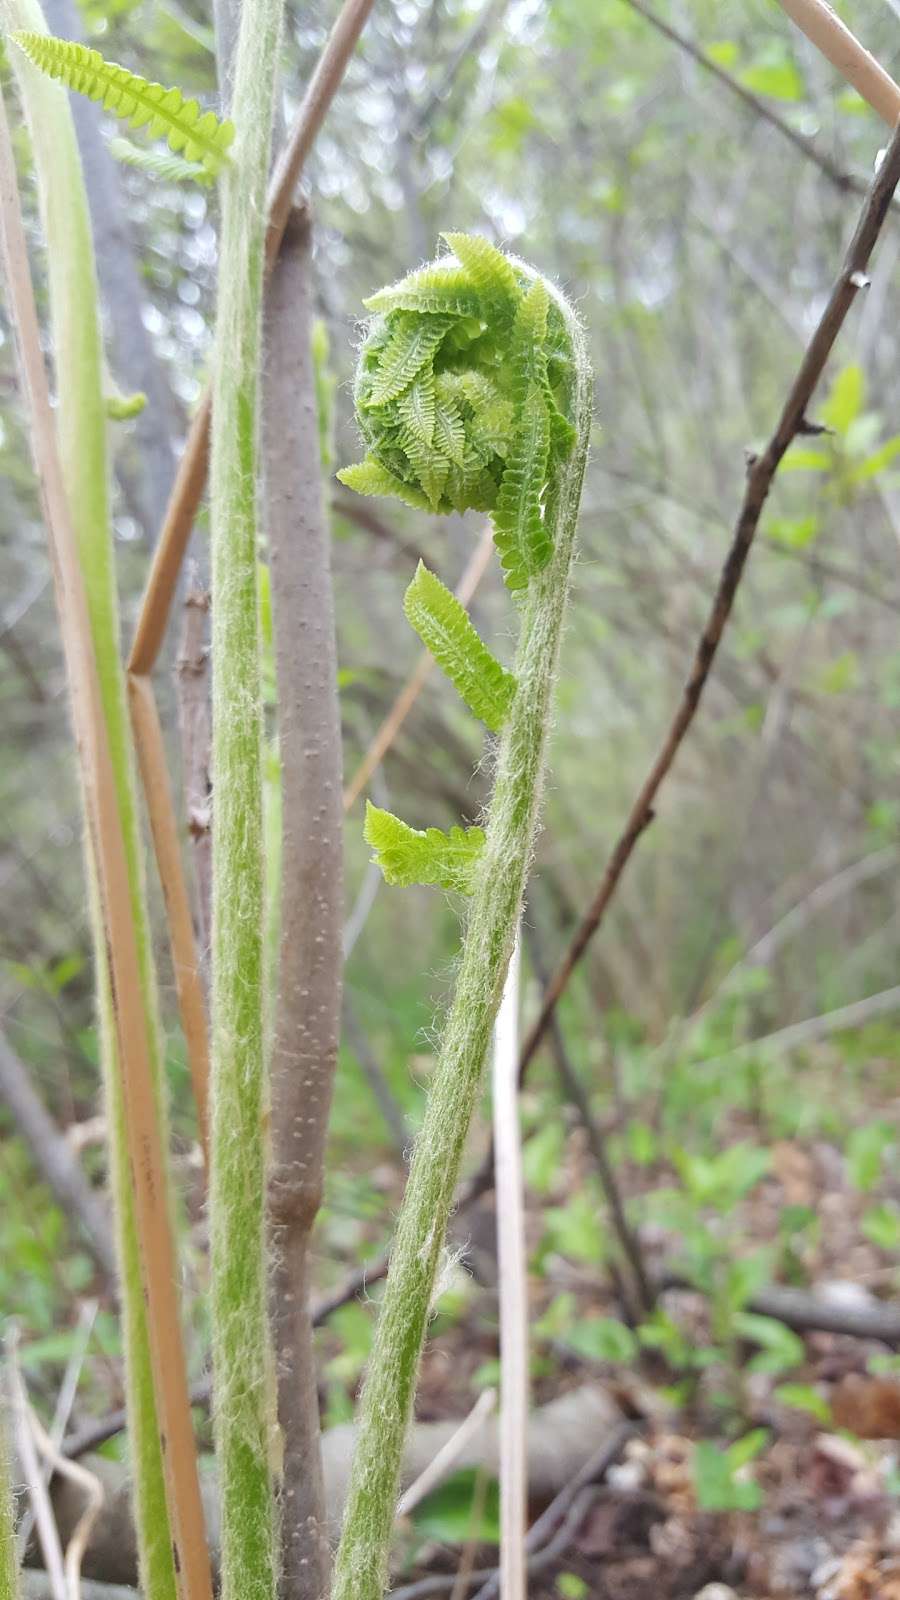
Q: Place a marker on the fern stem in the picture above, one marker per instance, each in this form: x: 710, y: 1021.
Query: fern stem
x: 9, y: 1565
x: 362, y: 1559
x: 82, y: 443
x: 241, y: 1343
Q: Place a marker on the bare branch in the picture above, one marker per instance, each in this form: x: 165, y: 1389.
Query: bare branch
x: 760, y: 476
x: 55, y: 1160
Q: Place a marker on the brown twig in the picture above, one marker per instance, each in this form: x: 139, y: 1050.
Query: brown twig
x: 760, y: 475
x: 194, y: 726
x: 110, y: 862
x: 308, y: 1005
x: 547, y: 1537
x: 842, y: 180
x: 55, y: 1160
x: 575, y: 1093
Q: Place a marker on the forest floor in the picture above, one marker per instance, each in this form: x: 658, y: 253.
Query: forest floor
x: 760, y: 1464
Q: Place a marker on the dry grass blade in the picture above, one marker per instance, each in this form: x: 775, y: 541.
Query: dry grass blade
x: 512, y: 1274
x: 824, y: 28
x: 446, y: 1458
x: 94, y: 1496
x: 109, y: 854
x: 38, y: 1493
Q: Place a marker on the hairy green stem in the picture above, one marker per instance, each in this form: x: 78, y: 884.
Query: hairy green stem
x: 83, y: 448
x: 362, y: 1559
x: 9, y: 1566
x: 241, y: 1343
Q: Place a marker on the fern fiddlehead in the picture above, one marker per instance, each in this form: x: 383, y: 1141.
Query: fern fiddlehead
x: 473, y: 392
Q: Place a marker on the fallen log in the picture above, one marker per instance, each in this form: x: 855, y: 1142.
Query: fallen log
x: 562, y: 1436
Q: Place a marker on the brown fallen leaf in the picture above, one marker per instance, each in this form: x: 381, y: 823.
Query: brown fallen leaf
x: 868, y: 1407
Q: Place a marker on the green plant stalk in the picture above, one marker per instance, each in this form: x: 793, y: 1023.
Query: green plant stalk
x: 361, y: 1565
x: 9, y: 1566
x: 241, y: 1342
x: 82, y: 431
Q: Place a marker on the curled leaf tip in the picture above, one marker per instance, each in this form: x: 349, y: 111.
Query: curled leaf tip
x: 463, y: 394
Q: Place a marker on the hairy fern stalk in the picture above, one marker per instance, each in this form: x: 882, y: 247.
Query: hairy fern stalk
x: 473, y: 392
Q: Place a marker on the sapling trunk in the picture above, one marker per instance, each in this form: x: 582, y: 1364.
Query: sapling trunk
x: 308, y: 1006
x: 535, y: 512
x: 241, y: 1344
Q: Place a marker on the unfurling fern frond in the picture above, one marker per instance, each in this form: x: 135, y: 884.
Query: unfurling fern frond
x: 406, y: 855
x: 160, y: 164
x: 463, y: 395
x: 444, y: 628
x: 190, y: 131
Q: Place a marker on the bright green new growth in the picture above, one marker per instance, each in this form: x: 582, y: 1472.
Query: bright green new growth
x: 462, y: 393
x: 489, y: 308
x: 444, y: 628
x: 158, y: 163
x: 242, y: 1362
x: 406, y: 855
x: 9, y: 1566
x: 163, y: 112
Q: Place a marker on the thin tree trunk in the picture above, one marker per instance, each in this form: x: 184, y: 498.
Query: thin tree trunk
x: 307, y: 1019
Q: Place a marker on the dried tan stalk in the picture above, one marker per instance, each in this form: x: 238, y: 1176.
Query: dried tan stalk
x: 109, y: 854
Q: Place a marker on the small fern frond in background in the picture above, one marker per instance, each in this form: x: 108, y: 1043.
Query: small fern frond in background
x: 444, y: 628
x: 197, y: 134
x: 160, y: 164
x: 406, y: 855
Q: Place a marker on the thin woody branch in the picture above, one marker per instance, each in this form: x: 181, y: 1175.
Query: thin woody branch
x: 760, y: 476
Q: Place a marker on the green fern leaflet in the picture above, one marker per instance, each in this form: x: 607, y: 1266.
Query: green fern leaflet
x: 406, y: 855
x: 444, y: 628
x: 197, y: 135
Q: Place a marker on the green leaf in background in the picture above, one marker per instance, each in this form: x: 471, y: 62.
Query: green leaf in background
x: 780, y: 1348
x: 795, y: 533
x: 774, y: 76
x: 803, y: 1397
x: 641, y: 1143
x: 603, y: 1339
x: 881, y: 1224
x: 575, y: 1229
x: 846, y: 398
x: 542, y: 1157
x: 865, y: 1153
x: 448, y: 1514
x: 715, y: 1483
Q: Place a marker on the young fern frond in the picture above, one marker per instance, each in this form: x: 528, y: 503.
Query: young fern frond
x: 444, y: 628
x: 460, y: 397
x: 158, y: 163
x: 509, y: 434
x: 197, y: 134
x: 407, y: 855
